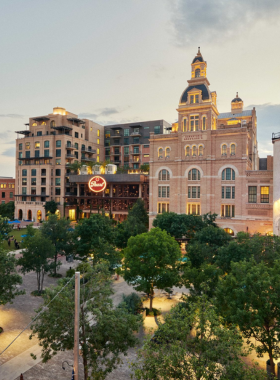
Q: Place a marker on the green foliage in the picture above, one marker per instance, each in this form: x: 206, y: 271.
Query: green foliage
x: 9, y: 279
x: 75, y: 167
x: 57, y: 231
x: 70, y: 272
x: 250, y: 298
x: 105, y: 332
x: 50, y: 207
x: 122, y: 169
x: 132, y: 302
x: 5, y: 229
x: 7, y: 210
x: 212, y: 352
x: 151, y: 260
x: 37, y: 255
x: 145, y: 168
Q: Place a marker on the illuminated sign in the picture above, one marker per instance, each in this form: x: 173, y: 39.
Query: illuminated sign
x: 97, y: 184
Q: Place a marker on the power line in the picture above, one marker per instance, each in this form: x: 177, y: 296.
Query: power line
x: 44, y: 308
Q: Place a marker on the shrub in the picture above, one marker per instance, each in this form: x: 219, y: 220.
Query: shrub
x: 133, y: 303
x: 70, y: 272
x: 152, y: 313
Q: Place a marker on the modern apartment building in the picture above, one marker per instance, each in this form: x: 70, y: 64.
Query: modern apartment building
x: 44, y: 149
x: 7, y: 189
x: 128, y: 144
x: 209, y: 162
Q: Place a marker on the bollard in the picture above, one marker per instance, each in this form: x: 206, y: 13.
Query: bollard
x: 21, y: 377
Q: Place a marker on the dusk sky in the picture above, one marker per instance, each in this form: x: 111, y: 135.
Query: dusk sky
x: 117, y: 61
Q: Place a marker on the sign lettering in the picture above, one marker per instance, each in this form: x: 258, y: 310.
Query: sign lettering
x: 97, y: 184
x: 192, y: 137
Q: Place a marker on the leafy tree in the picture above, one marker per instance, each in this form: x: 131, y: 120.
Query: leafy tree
x: 5, y: 228
x: 250, y: 298
x: 122, y: 169
x: 8, y: 210
x: 50, y: 207
x: 151, y: 260
x: 58, y: 232
x: 9, y: 278
x: 105, y: 332
x: 145, y: 168
x: 75, y: 167
x: 210, y: 352
x: 37, y: 256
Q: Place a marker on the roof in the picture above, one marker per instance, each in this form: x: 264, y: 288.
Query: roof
x: 199, y: 58
x: 226, y: 115
x: 110, y: 178
x: 40, y: 118
x: 202, y: 87
x: 236, y: 100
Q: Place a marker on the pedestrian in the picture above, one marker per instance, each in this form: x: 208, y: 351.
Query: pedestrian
x: 15, y: 241
x: 18, y: 227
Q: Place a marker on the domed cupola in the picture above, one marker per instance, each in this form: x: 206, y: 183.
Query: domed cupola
x: 199, y: 66
x: 237, y: 104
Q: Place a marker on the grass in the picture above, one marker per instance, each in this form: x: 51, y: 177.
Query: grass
x: 17, y: 235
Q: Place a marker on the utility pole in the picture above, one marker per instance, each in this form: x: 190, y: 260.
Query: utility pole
x: 77, y: 325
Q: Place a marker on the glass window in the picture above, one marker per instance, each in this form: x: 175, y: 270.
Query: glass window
x: 126, y: 150
x: 157, y: 129
x: 57, y: 172
x: 58, y: 153
x: 193, y: 208
x: 184, y: 125
x: 46, y: 144
x: 20, y: 146
x: 11, y: 195
x: 58, y: 161
x: 192, y: 99
x: 37, y: 153
x: 200, y: 150
x: 228, y: 174
x: 52, y: 123
x: 264, y: 194
x: 146, y: 146
x: 160, y: 153
x: 252, y: 194
x: 197, y: 73
x: 126, y: 141
x: 57, y: 182
x: 194, y: 120
x: 39, y: 133
x: 24, y: 181
x: 126, y: 132
x: 232, y: 149
x: 27, y: 154
x: 33, y: 181
x: 164, y: 175
x: 167, y: 152
x: 233, y: 192
x: 24, y: 190
x: 228, y: 192
x: 98, y: 132
x: 76, y: 145
x: 194, y: 175
x: 58, y: 143
x: 76, y: 134
x: 197, y: 98
x: 136, y: 140
x: 57, y: 191
x: 37, y: 144
x: 194, y: 151
x: 20, y: 155
x: 27, y: 145
x: 224, y: 150
x: 187, y: 150
x: 107, y: 134
x: 98, y: 141
x: 46, y: 153
x: 163, y: 207
x: 24, y: 172
x: 204, y: 123
x: 33, y: 172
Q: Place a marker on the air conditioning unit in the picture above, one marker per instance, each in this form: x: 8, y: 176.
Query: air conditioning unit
x: 97, y: 169
x: 83, y: 169
x: 111, y: 169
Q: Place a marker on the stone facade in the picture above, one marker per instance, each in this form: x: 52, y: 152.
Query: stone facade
x: 209, y: 162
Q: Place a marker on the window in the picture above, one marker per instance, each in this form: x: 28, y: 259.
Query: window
x: 157, y: 129
x: 187, y: 151
x: 3, y: 186
x: 146, y: 155
x: 24, y: 181
x: 58, y: 153
x: 24, y: 172
x: 126, y: 132
x: 224, y: 150
x: 27, y: 145
x: 228, y: 192
x: 194, y: 123
x: 76, y: 154
x: 43, y: 172
x: 135, y: 166
x: 58, y: 161
x: 264, y: 194
x: 57, y: 191
x: 24, y: 190
x: 46, y: 144
x: 107, y: 142
x: 33, y: 172
x: 27, y: 154
x: 33, y: 190
x: 39, y: 133
x: 164, y: 175
x: 167, y: 152
x: 228, y: 174
x: 97, y: 159
x: 98, y: 132
x: 58, y: 143
x: 146, y: 146
x: 136, y: 149
x: 194, y: 151
x: 193, y: 208
x: 37, y: 153
x: 232, y: 149
x: 33, y: 181
x: 194, y: 175
x: 37, y: 145
x: 184, y: 125
x: 57, y: 182
x: 204, y: 123
x: 126, y: 141
x: 197, y: 98
x: 136, y: 140
x: 192, y: 99
x: 11, y: 195
x: 52, y: 123
x: 200, y: 150
x: 20, y: 155
x: 107, y: 134
x: 197, y: 73
x: 76, y: 146
x: 229, y: 231
x: 228, y: 211
x: 3, y: 194
x: 163, y: 191
x: 20, y: 146
x: 57, y: 172
x: 163, y: 207
x: 77, y: 135
x: 98, y: 141
x: 46, y: 153
x: 193, y: 191
x: 160, y: 153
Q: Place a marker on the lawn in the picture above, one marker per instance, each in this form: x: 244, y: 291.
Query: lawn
x: 17, y: 235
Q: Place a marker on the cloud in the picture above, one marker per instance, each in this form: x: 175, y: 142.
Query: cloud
x: 9, y: 142
x: 219, y: 20
x: 12, y: 116
x: 108, y: 111
x: 268, y: 116
x: 10, y: 152
x: 86, y: 115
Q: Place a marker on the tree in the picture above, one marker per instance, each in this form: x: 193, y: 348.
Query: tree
x: 192, y: 344
x: 50, y: 207
x: 9, y: 278
x: 58, y: 232
x: 145, y: 168
x: 75, y: 167
x: 249, y: 296
x: 8, y: 210
x: 37, y: 256
x: 105, y: 332
x: 151, y: 260
x: 5, y: 228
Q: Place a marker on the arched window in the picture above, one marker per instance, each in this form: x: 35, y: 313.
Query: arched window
x: 194, y: 151
x: 98, y: 132
x: 34, y: 125
x: 197, y: 73
x: 187, y: 151
x: 52, y: 123
x: 228, y: 174
x: 200, y: 150
x: 204, y: 123
x: 184, y: 125
x: 194, y: 175
x: 224, y: 150
x: 232, y: 149
x: 164, y: 175
x: 160, y: 153
x: 167, y: 152
x: 229, y: 231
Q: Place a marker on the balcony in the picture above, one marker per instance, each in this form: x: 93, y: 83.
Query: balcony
x: 116, y: 135
x: 116, y: 144
x: 70, y: 156
x: 89, y: 151
x: 135, y: 134
x: 133, y: 152
x: 88, y: 159
x: 135, y: 161
x: 70, y: 146
x: 34, y: 158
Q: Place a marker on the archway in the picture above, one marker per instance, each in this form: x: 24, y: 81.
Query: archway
x: 20, y: 214
x: 39, y: 216
x: 229, y: 231
x: 29, y: 215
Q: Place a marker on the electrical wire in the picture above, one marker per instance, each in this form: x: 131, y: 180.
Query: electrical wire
x: 34, y: 319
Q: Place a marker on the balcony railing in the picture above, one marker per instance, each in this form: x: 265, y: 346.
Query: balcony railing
x: 70, y: 146
x: 136, y: 134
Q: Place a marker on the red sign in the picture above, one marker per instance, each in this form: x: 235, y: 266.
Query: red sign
x: 97, y: 184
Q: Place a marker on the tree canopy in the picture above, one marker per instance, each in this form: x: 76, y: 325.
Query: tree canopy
x: 7, y: 210
x: 5, y: 229
x: 50, y: 207
x: 151, y: 260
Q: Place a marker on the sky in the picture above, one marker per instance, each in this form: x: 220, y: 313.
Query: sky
x: 116, y: 61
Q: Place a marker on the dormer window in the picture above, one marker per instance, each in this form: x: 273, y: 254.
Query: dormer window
x: 192, y: 99
x: 196, y: 99
x: 197, y: 73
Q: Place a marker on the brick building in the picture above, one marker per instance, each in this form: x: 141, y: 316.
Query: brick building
x: 7, y: 189
x: 209, y: 162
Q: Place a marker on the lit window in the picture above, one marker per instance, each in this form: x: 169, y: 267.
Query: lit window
x: 264, y: 194
x: 98, y: 150
x: 193, y: 208
x: 98, y: 141
x: 97, y: 159
x: 194, y: 175
x: 232, y: 149
x: 229, y: 231
x: 27, y: 145
x: 194, y: 120
x: 163, y: 207
x: 197, y: 73
x: 187, y: 151
x: 167, y: 152
x: 224, y: 150
x: 58, y: 161
x: 204, y: 123
x: 160, y: 153
x: 200, y: 150
x: 98, y: 132
x: 37, y: 144
x: 34, y: 125
x: 194, y: 151
x: 228, y: 211
x: 228, y: 174
x: 164, y: 175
